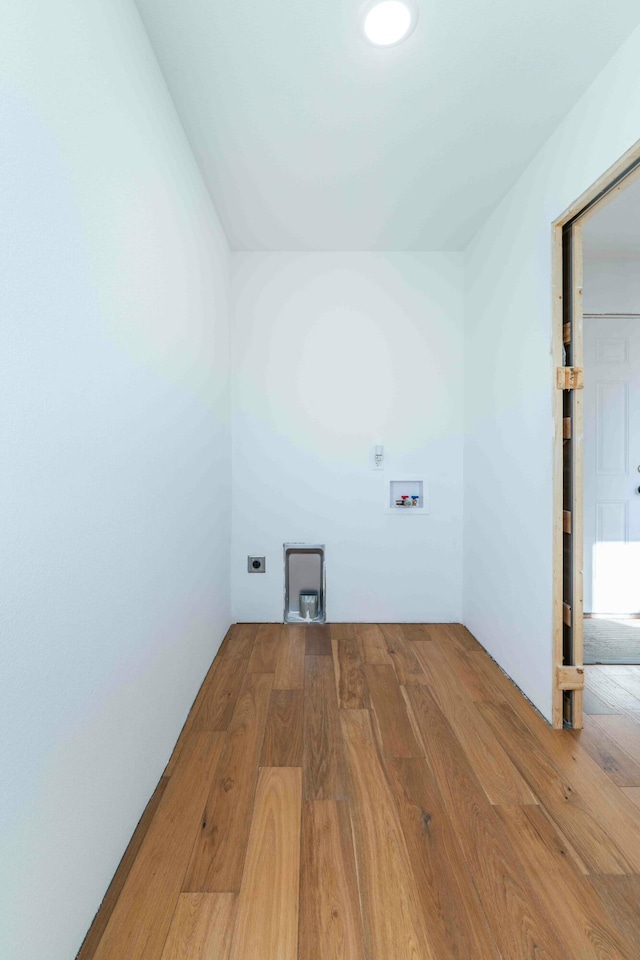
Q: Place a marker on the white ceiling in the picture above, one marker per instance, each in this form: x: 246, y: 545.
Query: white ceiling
x: 613, y: 233
x: 309, y: 138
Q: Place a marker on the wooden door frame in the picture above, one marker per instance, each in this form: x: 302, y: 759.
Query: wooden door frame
x: 568, y: 380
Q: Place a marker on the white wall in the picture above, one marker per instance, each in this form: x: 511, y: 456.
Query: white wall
x: 508, y: 447
x: 115, y: 475
x: 333, y: 353
x: 611, y: 285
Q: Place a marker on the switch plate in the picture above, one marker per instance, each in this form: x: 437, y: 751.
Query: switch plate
x: 256, y: 564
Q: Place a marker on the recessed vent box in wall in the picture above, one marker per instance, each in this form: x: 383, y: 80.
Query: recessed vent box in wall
x: 304, y: 583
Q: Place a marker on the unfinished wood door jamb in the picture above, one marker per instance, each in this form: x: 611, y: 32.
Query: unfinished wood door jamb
x: 568, y: 383
x: 570, y: 678
x: 570, y: 378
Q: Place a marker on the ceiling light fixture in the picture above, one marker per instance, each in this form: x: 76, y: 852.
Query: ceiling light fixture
x: 390, y: 21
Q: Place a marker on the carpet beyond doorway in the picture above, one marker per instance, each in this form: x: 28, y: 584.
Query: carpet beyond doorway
x: 611, y: 641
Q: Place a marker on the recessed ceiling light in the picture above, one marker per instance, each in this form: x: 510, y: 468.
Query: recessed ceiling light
x: 390, y: 21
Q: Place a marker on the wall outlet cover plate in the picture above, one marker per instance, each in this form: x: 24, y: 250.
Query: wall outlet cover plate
x: 256, y: 564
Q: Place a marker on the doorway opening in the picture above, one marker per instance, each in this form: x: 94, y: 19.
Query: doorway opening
x: 597, y: 434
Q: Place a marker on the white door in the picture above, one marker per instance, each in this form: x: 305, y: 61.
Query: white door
x: 611, y: 465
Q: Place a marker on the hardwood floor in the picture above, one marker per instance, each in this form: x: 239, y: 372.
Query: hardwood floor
x: 383, y: 792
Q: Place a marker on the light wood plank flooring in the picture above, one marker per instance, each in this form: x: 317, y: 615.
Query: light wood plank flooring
x: 383, y: 792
